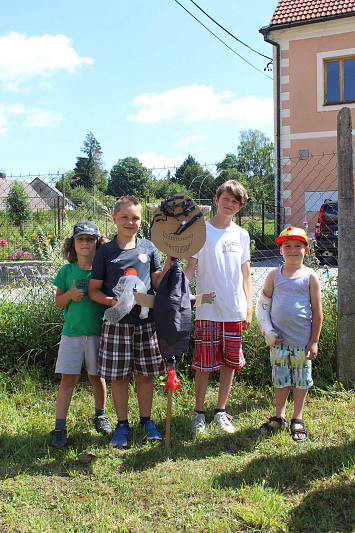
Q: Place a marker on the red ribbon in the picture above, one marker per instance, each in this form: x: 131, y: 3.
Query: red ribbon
x: 172, y: 381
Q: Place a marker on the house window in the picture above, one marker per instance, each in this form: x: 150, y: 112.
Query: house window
x: 339, y: 80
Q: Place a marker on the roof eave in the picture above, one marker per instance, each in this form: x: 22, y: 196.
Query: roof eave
x: 274, y: 27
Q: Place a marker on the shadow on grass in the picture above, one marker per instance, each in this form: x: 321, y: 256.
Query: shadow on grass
x: 331, y: 506
x: 291, y: 472
x: 33, y: 454
x: 325, y: 510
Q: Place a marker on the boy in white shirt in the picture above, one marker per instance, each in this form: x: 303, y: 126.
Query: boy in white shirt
x: 223, y: 266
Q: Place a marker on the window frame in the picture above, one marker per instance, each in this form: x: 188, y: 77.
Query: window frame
x: 340, y: 60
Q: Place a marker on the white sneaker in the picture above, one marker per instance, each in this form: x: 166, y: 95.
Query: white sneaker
x: 198, y: 423
x: 222, y: 420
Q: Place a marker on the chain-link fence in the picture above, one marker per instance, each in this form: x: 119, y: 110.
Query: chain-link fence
x: 37, y: 212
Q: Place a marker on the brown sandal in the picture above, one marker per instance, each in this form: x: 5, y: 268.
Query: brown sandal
x: 272, y: 429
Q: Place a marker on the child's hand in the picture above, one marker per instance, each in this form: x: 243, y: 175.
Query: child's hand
x: 311, y: 350
x: 76, y: 294
x: 279, y: 339
x: 247, y: 321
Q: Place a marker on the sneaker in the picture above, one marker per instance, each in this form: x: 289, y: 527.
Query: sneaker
x: 102, y: 424
x: 120, y: 436
x: 59, y: 438
x: 198, y: 423
x: 152, y: 432
x: 222, y: 420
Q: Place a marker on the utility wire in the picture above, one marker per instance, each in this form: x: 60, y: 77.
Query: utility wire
x: 225, y: 44
x: 229, y: 33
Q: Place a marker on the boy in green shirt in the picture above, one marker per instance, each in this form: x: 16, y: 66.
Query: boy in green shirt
x: 82, y: 328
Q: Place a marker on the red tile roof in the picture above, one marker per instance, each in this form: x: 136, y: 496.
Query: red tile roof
x: 298, y: 11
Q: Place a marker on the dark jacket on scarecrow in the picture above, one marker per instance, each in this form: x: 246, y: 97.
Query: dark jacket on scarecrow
x: 173, y: 312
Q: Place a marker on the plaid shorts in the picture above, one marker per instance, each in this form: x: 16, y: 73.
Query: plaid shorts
x: 127, y: 349
x: 217, y: 342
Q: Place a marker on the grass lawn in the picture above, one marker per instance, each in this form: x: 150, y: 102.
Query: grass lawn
x: 213, y: 483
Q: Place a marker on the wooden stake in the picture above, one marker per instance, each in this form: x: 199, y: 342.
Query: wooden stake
x: 168, y: 419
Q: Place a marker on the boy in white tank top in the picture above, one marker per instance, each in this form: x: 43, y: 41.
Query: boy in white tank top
x: 289, y: 313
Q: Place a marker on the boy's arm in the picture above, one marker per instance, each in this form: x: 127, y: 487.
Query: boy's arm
x: 248, y: 290
x: 190, y: 268
x: 62, y: 299
x: 157, y: 276
x: 317, y: 316
x: 96, y: 294
x: 262, y: 312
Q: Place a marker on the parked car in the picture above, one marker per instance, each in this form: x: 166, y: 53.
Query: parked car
x: 326, y: 232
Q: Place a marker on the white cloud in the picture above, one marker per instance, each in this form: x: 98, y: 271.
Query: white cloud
x: 201, y: 103
x: 34, y: 117
x: 23, y: 57
x: 192, y: 140
x: 154, y: 160
x: 42, y: 118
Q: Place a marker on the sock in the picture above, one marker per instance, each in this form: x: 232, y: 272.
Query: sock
x: 219, y: 411
x: 199, y: 412
x: 99, y: 412
x: 60, y: 423
x: 144, y: 419
x: 123, y: 422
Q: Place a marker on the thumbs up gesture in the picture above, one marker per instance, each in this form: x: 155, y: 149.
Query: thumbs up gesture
x: 76, y: 294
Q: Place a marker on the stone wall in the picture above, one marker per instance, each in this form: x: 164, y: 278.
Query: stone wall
x: 13, y: 272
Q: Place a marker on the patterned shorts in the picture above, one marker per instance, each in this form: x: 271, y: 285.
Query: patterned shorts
x: 217, y: 342
x: 127, y: 349
x: 289, y: 367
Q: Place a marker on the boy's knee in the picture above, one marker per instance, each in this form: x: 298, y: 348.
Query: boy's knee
x: 69, y: 380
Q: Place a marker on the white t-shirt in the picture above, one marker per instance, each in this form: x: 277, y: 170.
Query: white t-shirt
x: 219, y: 270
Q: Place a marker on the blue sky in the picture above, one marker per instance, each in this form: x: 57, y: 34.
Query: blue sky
x: 143, y: 76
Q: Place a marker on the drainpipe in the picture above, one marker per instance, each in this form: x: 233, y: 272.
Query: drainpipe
x: 264, y: 31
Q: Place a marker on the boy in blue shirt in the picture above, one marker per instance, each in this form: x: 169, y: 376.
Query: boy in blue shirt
x: 129, y: 346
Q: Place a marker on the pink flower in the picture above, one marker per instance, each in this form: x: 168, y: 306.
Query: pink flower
x: 3, y: 242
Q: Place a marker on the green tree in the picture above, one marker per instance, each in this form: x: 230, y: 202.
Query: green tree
x: 89, y: 171
x: 227, y: 170
x: 162, y: 188
x: 70, y: 181
x: 129, y: 176
x: 18, y: 204
x: 199, y: 182
x: 254, y: 159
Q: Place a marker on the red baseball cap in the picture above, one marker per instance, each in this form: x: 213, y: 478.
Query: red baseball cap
x: 292, y: 234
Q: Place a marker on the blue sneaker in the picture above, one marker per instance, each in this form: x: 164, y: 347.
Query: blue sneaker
x: 120, y: 436
x: 152, y: 432
x: 59, y: 438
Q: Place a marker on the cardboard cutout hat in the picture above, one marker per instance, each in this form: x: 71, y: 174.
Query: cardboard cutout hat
x: 178, y: 227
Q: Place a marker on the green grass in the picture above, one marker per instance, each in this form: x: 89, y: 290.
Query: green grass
x: 213, y: 483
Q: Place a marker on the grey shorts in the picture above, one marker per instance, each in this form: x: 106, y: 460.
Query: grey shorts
x: 72, y: 351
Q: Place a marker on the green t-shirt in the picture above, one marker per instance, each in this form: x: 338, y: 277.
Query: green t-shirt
x: 84, y: 317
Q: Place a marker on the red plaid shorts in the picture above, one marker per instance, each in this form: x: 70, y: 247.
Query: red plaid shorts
x: 217, y: 343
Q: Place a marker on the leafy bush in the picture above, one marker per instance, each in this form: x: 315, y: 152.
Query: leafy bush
x: 30, y: 328
x: 30, y: 332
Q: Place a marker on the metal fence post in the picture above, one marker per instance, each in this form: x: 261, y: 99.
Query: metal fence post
x: 346, y: 253
x: 59, y: 220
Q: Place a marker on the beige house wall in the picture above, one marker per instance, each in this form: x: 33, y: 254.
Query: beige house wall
x: 308, y: 125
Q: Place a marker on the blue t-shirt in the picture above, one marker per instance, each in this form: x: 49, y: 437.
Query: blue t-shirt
x: 111, y: 263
